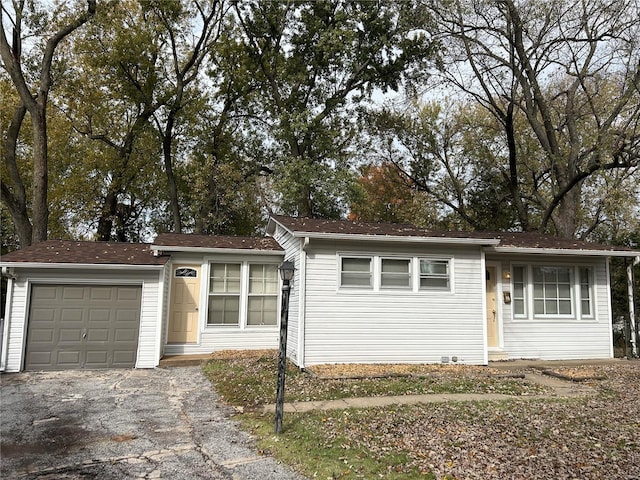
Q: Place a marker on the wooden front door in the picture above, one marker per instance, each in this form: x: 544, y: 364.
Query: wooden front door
x: 492, y: 308
x: 183, y: 312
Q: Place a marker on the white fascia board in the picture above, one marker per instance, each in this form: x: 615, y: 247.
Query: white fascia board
x: 399, y: 239
x: 234, y: 251
x: 81, y: 266
x: 559, y: 251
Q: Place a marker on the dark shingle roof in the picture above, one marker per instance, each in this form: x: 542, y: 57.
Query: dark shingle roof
x: 516, y: 240
x: 216, y: 241
x: 101, y: 253
x: 347, y: 227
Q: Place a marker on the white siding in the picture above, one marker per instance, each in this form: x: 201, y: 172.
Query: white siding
x: 295, y: 339
x: 560, y: 339
x: 147, y: 354
x: 212, y: 338
x: 345, y: 326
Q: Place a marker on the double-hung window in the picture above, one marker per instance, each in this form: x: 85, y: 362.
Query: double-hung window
x: 356, y: 272
x: 586, y: 275
x: 434, y: 274
x: 262, y: 304
x: 224, y: 294
x: 552, y: 291
x: 243, y: 294
x: 519, y: 291
x: 395, y: 273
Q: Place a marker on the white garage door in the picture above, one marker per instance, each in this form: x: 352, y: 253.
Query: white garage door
x: 83, y: 326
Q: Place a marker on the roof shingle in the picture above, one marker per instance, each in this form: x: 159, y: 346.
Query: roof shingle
x: 80, y: 252
x: 522, y: 240
x: 216, y: 241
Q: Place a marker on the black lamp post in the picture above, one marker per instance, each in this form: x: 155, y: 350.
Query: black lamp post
x: 287, y: 269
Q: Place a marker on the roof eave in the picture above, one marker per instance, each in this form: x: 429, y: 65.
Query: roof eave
x: 562, y: 251
x: 230, y: 251
x: 82, y: 266
x: 398, y: 238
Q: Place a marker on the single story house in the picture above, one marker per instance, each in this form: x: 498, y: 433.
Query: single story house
x: 362, y: 293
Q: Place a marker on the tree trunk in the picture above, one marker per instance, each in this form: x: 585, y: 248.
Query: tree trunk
x: 171, y: 179
x: 39, y: 205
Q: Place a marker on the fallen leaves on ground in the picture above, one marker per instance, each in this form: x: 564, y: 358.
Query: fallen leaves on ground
x: 591, y: 437
x: 248, y: 378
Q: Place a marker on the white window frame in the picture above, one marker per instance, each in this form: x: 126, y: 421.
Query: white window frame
x: 558, y: 299
x: 574, y: 288
x: 261, y: 295
x: 237, y: 294
x: 376, y: 274
x: 372, y: 268
x: 409, y: 274
x: 525, y: 291
x: 591, y: 277
x: 244, y: 293
x: 449, y: 274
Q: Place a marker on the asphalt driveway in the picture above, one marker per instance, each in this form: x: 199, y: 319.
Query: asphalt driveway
x: 123, y: 424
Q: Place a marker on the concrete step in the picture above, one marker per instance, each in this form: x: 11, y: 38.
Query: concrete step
x: 497, y: 355
x: 183, y: 360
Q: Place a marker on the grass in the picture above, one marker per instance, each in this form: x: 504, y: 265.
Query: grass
x: 248, y: 379
x: 584, y: 437
x: 318, y: 449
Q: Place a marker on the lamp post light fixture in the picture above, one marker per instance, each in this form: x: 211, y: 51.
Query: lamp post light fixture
x: 287, y: 269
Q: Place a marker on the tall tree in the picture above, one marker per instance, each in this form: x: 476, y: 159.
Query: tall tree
x: 571, y: 70
x: 313, y: 63
x: 32, y: 84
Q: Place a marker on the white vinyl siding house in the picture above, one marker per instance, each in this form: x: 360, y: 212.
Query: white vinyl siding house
x: 581, y: 328
x: 409, y: 323
x: 361, y: 293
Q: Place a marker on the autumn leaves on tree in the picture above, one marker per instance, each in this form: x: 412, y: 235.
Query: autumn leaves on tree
x: 125, y: 118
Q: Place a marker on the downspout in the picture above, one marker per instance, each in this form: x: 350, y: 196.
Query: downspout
x: 302, y: 300
x: 632, y: 310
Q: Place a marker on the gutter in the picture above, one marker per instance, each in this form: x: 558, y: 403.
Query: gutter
x: 79, y: 266
x: 399, y: 238
x: 158, y: 250
x: 558, y: 251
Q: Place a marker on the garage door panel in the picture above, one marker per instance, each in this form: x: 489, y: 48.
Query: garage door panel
x: 83, y: 327
x: 73, y: 293
x: 99, y: 315
x: 70, y: 335
x: 69, y: 359
x: 102, y: 293
x: 71, y: 315
x: 98, y: 335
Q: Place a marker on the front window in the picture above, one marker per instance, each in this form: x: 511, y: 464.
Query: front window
x: 519, y: 291
x: 434, y: 274
x: 395, y: 273
x: 552, y: 291
x: 585, y: 291
x: 224, y: 294
x: 262, y: 304
x: 356, y: 272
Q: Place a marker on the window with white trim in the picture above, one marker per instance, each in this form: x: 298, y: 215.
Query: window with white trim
x: 262, y: 304
x: 224, y: 294
x: 586, y: 274
x: 519, y: 291
x: 434, y: 274
x: 395, y: 273
x: 552, y: 293
x: 243, y: 294
x: 356, y: 272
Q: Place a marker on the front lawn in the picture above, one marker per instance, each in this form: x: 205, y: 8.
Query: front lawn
x: 589, y: 437
x: 248, y: 379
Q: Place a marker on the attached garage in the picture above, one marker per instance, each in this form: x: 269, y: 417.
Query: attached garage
x: 83, y: 305
x: 82, y: 326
